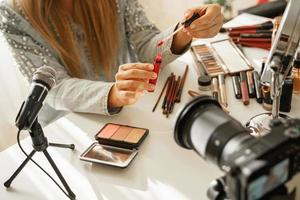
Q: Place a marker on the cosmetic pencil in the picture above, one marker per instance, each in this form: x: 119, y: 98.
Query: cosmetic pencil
x: 168, y: 95
x: 222, y: 87
x: 244, y: 88
x: 251, y: 86
x: 161, y: 93
x: 173, y: 99
x: 167, y: 92
x: 215, y: 92
x: 266, y: 25
x: 237, y: 87
x: 179, y: 92
x: 258, y: 91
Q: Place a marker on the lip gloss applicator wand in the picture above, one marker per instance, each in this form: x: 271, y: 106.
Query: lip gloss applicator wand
x: 158, y: 59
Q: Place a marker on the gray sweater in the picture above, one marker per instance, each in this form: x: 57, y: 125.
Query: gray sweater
x: 138, y: 39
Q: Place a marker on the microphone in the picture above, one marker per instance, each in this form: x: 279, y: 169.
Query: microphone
x: 42, y: 82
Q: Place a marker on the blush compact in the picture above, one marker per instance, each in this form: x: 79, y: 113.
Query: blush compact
x: 117, y: 145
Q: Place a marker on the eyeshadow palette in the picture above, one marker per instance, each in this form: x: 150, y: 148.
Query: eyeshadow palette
x: 216, y: 57
x: 117, y: 145
x: 121, y: 135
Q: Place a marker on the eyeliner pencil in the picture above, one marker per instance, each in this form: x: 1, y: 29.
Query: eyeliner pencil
x: 161, y: 93
x: 179, y: 92
x: 167, y: 92
x: 173, y: 101
x: 168, y: 95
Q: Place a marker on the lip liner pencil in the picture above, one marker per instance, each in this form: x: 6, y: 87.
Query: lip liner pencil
x: 167, y: 92
x: 173, y: 100
x: 173, y: 87
x: 179, y: 92
x: 161, y: 93
x: 168, y: 95
x: 244, y: 88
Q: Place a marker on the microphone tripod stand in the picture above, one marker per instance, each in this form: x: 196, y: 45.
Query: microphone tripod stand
x: 40, y: 144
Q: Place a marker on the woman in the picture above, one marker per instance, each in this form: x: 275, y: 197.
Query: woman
x: 88, y: 43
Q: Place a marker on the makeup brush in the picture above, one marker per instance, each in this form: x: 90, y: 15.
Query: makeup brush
x: 179, y: 92
x: 184, y: 24
x: 161, y: 93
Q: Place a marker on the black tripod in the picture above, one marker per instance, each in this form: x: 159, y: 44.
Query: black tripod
x: 40, y: 143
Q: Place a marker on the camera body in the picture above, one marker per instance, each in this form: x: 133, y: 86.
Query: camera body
x: 264, y: 164
x: 254, y: 167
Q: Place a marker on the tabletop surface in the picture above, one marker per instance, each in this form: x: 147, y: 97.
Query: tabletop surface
x: 161, y: 170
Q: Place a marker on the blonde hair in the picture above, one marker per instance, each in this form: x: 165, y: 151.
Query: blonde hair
x: 98, y: 20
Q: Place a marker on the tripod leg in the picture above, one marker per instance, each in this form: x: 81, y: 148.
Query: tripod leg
x: 60, y: 176
x: 69, y: 146
x: 15, y: 174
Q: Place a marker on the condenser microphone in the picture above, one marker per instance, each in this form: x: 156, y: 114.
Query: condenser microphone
x: 43, y: 80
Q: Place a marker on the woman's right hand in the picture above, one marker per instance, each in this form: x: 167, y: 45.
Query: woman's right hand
x: 132, y: 80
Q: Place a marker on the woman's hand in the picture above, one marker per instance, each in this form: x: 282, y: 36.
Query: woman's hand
x: 131, y: 81
x: 208, y: 25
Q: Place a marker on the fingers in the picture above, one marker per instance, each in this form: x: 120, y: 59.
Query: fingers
x: 135, y: 74
x: 141, y: 66
x: 208, y: 25
x: 134, y: 86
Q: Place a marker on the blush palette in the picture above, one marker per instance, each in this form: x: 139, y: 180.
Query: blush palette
x: 117, y: 145
x: 121, y: 135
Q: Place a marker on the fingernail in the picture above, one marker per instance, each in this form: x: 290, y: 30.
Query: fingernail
x: 192, y: 26
x: 153, y: 75
x: 151, y: 67
x: 152, y: 87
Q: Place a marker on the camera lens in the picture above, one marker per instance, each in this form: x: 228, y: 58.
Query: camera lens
x: 204, y: 127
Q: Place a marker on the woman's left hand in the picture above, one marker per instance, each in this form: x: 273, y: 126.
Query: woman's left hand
x: 209, y: 23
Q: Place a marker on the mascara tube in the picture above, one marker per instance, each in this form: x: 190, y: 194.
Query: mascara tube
x: 258, y: 92
x: 251, y: 87
x: 237, y: 87
x: 244, y: 88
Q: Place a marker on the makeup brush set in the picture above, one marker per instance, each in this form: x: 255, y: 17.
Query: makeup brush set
x: 259, y: 36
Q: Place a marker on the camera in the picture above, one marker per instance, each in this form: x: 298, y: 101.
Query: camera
x: 255, y: 168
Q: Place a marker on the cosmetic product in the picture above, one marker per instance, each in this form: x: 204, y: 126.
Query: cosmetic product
x: 263, y: 26
x: 204, y: 83
x: 173, y: 98
x: 215, y: 92
x: 296, y: 76
x: 169, y: 95
x: 267, y: 100
x: 117, y: 145
x: 251, y: 86
x: 171, y: 79
x: 179, y: 92
x: 184, y: 24
x: 244, y: 88
x: 237, y: 87
x: 222, y: 89
x: 216, y: 57
x: 156, y: 69
x: 258, y: 92
x: 193, y: 93
x: 286, y: 95
x: 161, y: 93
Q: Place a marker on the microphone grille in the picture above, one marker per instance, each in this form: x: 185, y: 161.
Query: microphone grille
x: 45, y: 74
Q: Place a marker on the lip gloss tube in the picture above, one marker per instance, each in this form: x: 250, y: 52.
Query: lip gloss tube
x: 244, y: 88
x: 237, y: 87
x: 251, y: 87
x: 156, y: 69
x: 258, y: 91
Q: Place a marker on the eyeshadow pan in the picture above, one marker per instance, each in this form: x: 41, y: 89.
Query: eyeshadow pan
x: 121, y: 133
x: 135, y: 135
x: 108, y: 131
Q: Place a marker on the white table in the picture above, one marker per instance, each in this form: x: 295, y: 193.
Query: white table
x: 162, y: 170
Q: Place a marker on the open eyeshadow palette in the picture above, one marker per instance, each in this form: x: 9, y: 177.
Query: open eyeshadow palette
x: 216, y: 57
x: 117, y: 145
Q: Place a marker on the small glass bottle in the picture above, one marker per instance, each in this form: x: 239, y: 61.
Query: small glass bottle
x: 296, y: 76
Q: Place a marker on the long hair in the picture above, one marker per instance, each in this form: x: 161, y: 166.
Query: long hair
x: 98, y: 20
